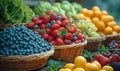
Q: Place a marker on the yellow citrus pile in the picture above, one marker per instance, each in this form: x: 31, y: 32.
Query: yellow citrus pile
x: 80, y: 64
x: 101, y: 19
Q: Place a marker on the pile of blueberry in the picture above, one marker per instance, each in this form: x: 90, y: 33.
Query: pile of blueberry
x: 18, y: 40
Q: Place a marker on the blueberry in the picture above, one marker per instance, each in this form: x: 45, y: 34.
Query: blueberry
x: 37, y: 16
x: 75, y: 38
x: 83, y: 40
x: 73, y: 34
x: 52, y: 22
x: 59, y: 17
x: 35, y: 26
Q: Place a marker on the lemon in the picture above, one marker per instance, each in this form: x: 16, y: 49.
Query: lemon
x: 69, y: 65
x: 80, y: 61
x: 91, y: 67
x: 98, y: 64
x: 65, y: 69
x: 107, y: 68
x: 78, y: 69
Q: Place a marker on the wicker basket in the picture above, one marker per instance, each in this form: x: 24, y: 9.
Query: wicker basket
x: 24, y: 63
x: 68, y: 52
x: 94, y: 43
x: 110, y: 38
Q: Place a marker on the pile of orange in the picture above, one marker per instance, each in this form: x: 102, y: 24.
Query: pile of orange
x: 80, y: 64
x: 101, y: 19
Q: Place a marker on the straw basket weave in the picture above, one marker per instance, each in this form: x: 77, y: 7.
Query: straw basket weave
x: 110, y: 38
x: 24, y: 62
x: 68, y: 52
x: 93, y: 43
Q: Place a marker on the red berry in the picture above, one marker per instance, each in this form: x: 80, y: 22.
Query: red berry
x: 48, y: 30
x: 38, y: 30
x: 114, y: 58
x: 55, y: 26
x: 38, y: 22
x: 69, y: 36
x: 75, y: 27
x: 67, y: 42
x: 50, y: 38
x: 53, y: 42
x: 77, y: 41
x: 59, y: 41
x: 30, y: 25
x: 42, y: 16
x: 34, y: 19
x: 53, y: 17
x: 49, y: 12
x: 62, y: 28
x: 45, y: 36
x: 118, y: 46
x: 42, y: 26
x: 55, y: 33
x: 58, y: 22
x: 63, y: 16
x: 71, y: 30
x: 46, y: 20
x: 80, y: 36
x: 64, y: 23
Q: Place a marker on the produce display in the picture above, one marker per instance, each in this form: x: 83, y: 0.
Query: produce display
x: 64, y: 7
x: 81, y: 64
x: 21, y: 41
x: 101, y: 19
x: 56, y: 29
x: 14, y: 11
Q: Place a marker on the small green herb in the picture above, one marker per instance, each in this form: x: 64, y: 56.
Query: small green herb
x: 42, y: 31
x: 62, y: 32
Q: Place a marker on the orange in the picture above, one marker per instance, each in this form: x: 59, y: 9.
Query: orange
x: 111, y: 24
x: 78, y: 69
x: 105, y: 19
x: 98, y: 64
x: 81, y: 15
x: 102, y: 70
x: 114, y: 32
x: 91, y: 67
x: 80, y: 61
x: 95, y: 20
x: 84, y: 11
x: 94, y: 8
x: 69, y: 65
x: 107, y: 68
x: 97, y: 13
x: 116, y: 28
x: 65, y: 69
x: 108, y: 30
x: 100, y: 25
x: 104, y: 12
x: 90, y: 13
x: 111, y: 18
x: 100, y: 32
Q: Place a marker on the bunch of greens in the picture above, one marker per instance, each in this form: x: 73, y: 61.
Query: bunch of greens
x: 14, y: 11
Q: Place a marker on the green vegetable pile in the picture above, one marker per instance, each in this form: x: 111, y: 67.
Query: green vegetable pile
x: 15, y: 11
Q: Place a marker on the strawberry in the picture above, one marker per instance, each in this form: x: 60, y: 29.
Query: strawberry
x: 46, y: 20
x: 63, y: 16
x: 42, y: 26
x: 50, y: 38
x: 53, y: 17
x: 42, y: 16
x: 45, y: 36
x: 114, y: 58
x: 38, y: 22
x: 69, y: 36
x: 38, y: 30
x: 48, y: 30
x: 49, y: 12
x: 30, y: 25
x: 67, y: 42
x: 71, y: 30
x: 80, y: 36
x: 77, y: 41
x: 64, y: 23
x: 55, y: 33
x: 61, y: 28
x: 58, y: 22
x: 59, y: 41
x: 53, y: 42
x: 75, y: 27
x: 34, y: 19
x: 55, y: 26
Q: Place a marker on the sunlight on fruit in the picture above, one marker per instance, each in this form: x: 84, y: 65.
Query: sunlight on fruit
x: 78, y: 69
x: 69, y: 65
x: 108, y: 68
x: 91, y: 67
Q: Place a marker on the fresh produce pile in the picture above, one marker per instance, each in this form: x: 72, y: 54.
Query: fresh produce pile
x: 81, y: 64
x: 65, y: 7
x: 14, y: 11
x: 101, y: 19
x: 56, y: 29
x: 21, y: 41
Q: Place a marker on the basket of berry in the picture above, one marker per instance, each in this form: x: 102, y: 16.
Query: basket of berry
x: 22, y: 49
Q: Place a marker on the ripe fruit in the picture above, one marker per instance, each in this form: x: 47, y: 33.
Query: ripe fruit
x: 63, y: 16
x: 34, y: 19
x: 94, y: 8
x: 67, y: 42
x: 78, y: 69
x: 116, y: 28
x: 55, y: 26
x: 50, y: 38
x: 80, y: 36
x: 65, y: 69
x: 84, y: 11
x: 97, y: 13
x: 42, y: 26
x: 95, y: 20
x: 80, y: 61
x: 53, y: 17
x: 91, y: 67
x: 64, y: 23
x: 69, y: 36
x: 107, y: 68
x: 38, y: 22
x: 48, y: 30
x: 71, y: 30
x: 30, y: 25
x: 108, y: 30
x: 97, y: 63
x: 59, y: 41
x: 100, y: 25
x: 46, y: 20
x: 69, y: 65
x: 90, y: 13
x: 111, y: 24
x: 58, y: 22
x: 45, y: 36
x: 104, y: 12
x: 55, y: 33
x: 42, y: 16
x: 78, y: 41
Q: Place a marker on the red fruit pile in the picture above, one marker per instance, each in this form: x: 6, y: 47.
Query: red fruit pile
x: 56, y: 29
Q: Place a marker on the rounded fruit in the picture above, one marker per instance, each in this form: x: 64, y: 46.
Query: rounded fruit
x: 84, y: 11
x: 102, y: 70
x: 94, y: 8
x: 81, y: 15
x: 107, y: 68
x: 108, y: 30
x: 78, y: 69
x: 91, y: 67
x: 65, y: 69
x: 97, y: 13
x: 98, y: 64
x: 104, y: 12
x: 111, y: 24
x: 116, y: 28
x: 95, y: 20
x: 90, y: 13
x: 100, y: 25
x: 80, y: 61
x: 69, y: 65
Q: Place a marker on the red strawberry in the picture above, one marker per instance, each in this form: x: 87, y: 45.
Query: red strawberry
x: 53, y: 17
x: 53, y: 42
x: 77, y: 41
x: 63, y: 16
x: 75, y: 27
x: 50, y: 38
x: 45, y: 36
x: 71, y: 30
x: 38, y: 22
x: 46, y: 20
x: 58, y: 22
x: 69, y: 36
x: 55, y: 33
x: 42, y: 16
x: 42, y: 26
x: 79, y: 36
x: 55, y: 26
x: 49, y: 12
x: 30, y: 25
x: 34, y: 19
x: 64, y: 23
x: 48, y: 30
x: 118, y: 46
x: 114, y: 58
x: 67, y: 42
x: 61, y: 28
x: 38, y: 30
x: 59, y: 41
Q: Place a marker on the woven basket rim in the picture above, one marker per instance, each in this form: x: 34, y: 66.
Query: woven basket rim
x: 27, y: 57
x: 69, y: 46
x: 113, y: 35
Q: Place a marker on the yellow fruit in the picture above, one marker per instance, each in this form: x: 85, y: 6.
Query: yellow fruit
x: 100, y: 25
x: 91, y: 67
x: 104, y: 12
x: 108, y: 30
x: 81, y: 15
x: 69, y: 65
x: 97, y: 13
x: 114, y: 32
x: 65, y: 69
x: 98, y: 64
x: 80, y: 61
x: 110, y: 18
x: 94, y: 8
x: 116, y: 28
x: 107, y: 68
x: 78, y: 69
x: 111, y: 24
x: 95, y: 20
x: 102, y: 70
x: 90, y: 13
x: 84, y: 11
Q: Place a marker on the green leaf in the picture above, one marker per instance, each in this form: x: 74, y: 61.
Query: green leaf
x: 62, y: 32
x: 42, y: 31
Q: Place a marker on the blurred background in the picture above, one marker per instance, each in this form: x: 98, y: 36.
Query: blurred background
x: 111, y: 6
